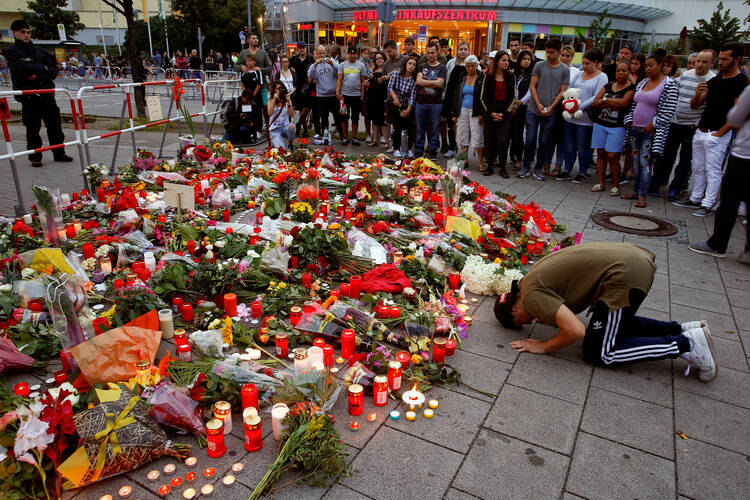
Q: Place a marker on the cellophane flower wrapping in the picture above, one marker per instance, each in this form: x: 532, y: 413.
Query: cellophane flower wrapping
x: 172, y: 406
x: 67, y: 303
x: 11, y: 359
x: 50, y: 216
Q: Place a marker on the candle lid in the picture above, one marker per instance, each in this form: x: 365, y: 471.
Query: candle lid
x: 439, y: 341
x: 380, y: 379
x: 143, y: 364
x: 252, y: 420
x: 179, y: 331
x: 295, y: 309
x: 300, y: 353
x: 214, y: 424
x: 396, y: 365
x: 355, y: 389
x: 222, y: 406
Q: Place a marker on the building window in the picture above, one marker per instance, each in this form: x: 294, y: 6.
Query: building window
x: 304, y: 32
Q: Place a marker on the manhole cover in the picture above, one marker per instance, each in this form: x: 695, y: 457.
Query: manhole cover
x: 625, y: 222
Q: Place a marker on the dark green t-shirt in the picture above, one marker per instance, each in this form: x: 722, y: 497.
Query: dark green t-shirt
x: 582, y: 275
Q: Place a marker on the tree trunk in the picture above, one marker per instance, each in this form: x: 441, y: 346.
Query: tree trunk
x: 136, y: 68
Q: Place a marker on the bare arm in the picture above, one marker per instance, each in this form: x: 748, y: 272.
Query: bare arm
x: 571, y: 330
x: 534, y: 95
x: 338, y: 85
x: 620, y: 102
x: 558, y: 98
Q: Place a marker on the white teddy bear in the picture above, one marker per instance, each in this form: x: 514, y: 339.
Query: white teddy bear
x: 571, y: 104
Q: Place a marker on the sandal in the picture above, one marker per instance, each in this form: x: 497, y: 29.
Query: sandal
x: 641, y: 203
x: 555, y: 172
x: 596, y: 188
x: 615, y: 191
x: 631, y: 196
x: 545, y: 170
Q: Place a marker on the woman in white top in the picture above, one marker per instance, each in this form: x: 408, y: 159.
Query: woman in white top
x: 280, y: 113
x: 578, y: 130
x: 287, y: 76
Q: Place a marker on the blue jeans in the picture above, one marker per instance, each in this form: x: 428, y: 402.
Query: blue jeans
x: 534, y: 124
x: 428, y: 115
x: 643, y: 160
x: 281, y: 136
x: 577, y: 139
x: 680, y: 139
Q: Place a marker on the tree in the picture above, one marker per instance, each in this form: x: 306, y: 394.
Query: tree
x: 220, y: 21
x: 720, y: 29
x: 45, y: 15
x: 125, y: 7
x: 599, y: 30
x: 179, y: 37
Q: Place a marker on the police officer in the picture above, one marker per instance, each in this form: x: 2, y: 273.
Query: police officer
x: 32, y: 68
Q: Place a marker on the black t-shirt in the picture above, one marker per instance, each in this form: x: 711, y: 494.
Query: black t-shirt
x: 609, y: 117
x: 431, y: 95
x: 721, y: 95
x: 195, y: 62
x: 300, y: 67
x: 251, y: 80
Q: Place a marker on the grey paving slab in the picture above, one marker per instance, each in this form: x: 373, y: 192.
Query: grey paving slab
x: 339, y: 492
x: 711, y: 421
x: 644, y: 381
x: 454, y: 494
x: 739, y: 297
x: 707, y: 472
x: 629, y: 421
x: 554, y: 425
x: 491, y: 340
x: 704, y: 299
x: 731, y: 386
x: 366, y: 429
x: 573, y: 352
x: 697, y: 279
x: 721, y: 325
x: 730, y: 353
x: 741, y: 317
x: 601, y: 469
x: 479, y: 372
x: 380, y: 470
x: 552, y: 376
x: 109, y: 487
x: 745, y: 337
x: 454, y: 425
x: 500, y: 467
x: 256, y: 463
x: 734, y: 280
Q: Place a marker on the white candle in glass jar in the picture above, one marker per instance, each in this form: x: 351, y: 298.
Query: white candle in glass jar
x: 149, y: 261
x: 166, y: 323
x: 28, y: 219
x: 278, y: 412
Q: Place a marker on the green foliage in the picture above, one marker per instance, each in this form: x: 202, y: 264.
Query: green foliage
x: 720, y: 29
x: 220, y: 21
x: 599, y: 30
x: 179, y: 37
x: 37, y: 340
x: 45, y: 15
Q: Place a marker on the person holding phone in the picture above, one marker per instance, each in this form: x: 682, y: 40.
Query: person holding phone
x: 238, y: 118
x: 280, y: 112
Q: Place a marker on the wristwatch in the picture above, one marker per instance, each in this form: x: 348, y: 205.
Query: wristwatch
x: 604, y: 99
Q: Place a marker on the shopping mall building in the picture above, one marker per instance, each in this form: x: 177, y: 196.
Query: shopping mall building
x: 488, y: 24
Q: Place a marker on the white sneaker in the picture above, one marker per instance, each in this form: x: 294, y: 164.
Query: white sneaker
x: 690, y: 325
x: 398, y: 154
x: 701, y: 354
x: 449, y: 154
x: 317, y: 139
x: 410, y: 154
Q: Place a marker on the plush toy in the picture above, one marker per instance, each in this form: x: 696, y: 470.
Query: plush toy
x: 571, y: 104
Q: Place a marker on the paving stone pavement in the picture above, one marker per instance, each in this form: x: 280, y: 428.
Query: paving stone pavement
x: 555, y: 426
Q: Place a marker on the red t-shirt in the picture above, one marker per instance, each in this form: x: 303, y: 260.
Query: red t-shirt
x: 500, y: 90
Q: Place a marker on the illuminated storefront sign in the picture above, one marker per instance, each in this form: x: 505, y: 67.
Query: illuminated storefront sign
x: 431, y: 15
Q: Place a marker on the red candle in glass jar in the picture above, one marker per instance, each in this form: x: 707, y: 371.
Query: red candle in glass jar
x: 70, y: 231
x: 355, y: 286
x: 347, y: 343
x: 177, y: 303
x: 530, y: 247
x: 454, y: 280
x: 404, y: 358
x: 340, y: 211
x: 524, y: 259
x: 76, y: 196
x: 380, y: 391
x: 438, y: 350
x: 256, y: 309
x: 249, y: 396
x: 88, y: 251
x: 306, y: 280
x: 324, y: 211
x: 308, y: 307
x: 22, y: 389
x: 191, y: 246
x: 230, y: 304
x: 187, y: 313
x: 344, y: 289
x: 450, y: 347
x: 180, y: 336
x: 184, y: 352
x: 394, y: 375
x: 282, y: 345
x: 215, y: 438
x: 395, y: 312
x: 348, y: 213
x: 162, y: 218
x: 383, y: 312
x: 225, y: 215
x: 253, y: 433
x: 328, y: 355
x: 356, y: 399
x: 319, y: 342
x: 259, y: 218
x: 100, y: 196
x: 336, y: 294
x: 539, y: 247
x: 295, y: 315
x: 294, y: 262
x: 60, y: 377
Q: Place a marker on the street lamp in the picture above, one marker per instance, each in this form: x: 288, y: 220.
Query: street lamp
x: 260, y: 25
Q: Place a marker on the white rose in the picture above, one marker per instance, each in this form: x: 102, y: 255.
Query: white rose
x: 220, y: 244
x: 6, y: 288
x: 27, y: 272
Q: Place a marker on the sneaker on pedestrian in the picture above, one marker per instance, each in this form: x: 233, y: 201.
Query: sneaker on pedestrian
x: 672, y: 196
x: 701, y: 354
x: 368, y: 141
x: 623, y: 181
x: 686, y: 203
x: 382, y: 141
x: 410, y: 154
x: 523, y: 173
x: 317, y: 140
x: 398, y: 154
x: 355, y: 142
x: 432, y: 155
x: 702, y: 212
x: 449, y: 154
x: 742, y: 210
x: 538, y: 176
x: 744, y: 258
x: 389, y: 150
x: 690, y: 325
x: 579, y: 178
x: 651, y: 193
x: 62, y: 157
x: 608, y: 177
x: 345, y: 142
x: 703, y: 248
x: 563, y: 176
x: 615, y: 191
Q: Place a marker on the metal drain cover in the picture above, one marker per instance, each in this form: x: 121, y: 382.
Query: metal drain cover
x: 625, y: 222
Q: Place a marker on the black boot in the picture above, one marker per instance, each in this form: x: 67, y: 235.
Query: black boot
x: 503, y: 172
x: 488, y: 170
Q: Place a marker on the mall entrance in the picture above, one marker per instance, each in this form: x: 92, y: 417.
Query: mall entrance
x: 473, y: 32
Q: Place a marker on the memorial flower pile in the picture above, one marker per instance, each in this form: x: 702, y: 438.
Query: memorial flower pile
x: 193, y: 293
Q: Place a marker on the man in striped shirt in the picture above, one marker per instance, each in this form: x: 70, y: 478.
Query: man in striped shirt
x: 682, y: 129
